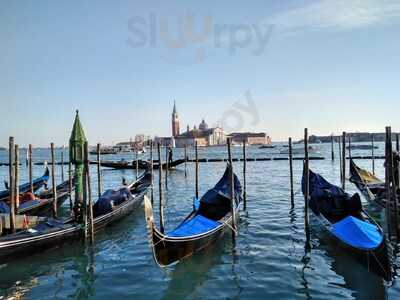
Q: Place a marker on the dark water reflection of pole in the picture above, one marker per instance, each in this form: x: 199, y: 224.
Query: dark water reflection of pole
x: 307, y: 253
x: 189, y: 274
x: 357, y: 278
x: 85, y: 266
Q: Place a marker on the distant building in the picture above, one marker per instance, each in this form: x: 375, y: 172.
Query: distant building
x: 203, y: 125
x: 140, y: 138
x: 251, y: 138
x: 164, y: 141
x: 208, y: 137
x: 175, y: 122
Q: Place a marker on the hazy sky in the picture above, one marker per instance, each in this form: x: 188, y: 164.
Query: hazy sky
x: 273, y: 66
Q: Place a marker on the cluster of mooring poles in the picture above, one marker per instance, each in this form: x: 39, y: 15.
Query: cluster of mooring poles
x: 392, y: 185
x: 82, y: 206
x: 14, y: 176
x: 392, y: 177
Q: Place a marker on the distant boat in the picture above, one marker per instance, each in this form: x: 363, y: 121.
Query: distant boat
x: 362, y: 147
x: 105, y: 151
x: 267, y: 147
x: 299, y: 150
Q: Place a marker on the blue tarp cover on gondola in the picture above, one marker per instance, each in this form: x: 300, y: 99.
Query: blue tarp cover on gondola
x: 29, y: 203
x: 4, y: 208
x: 357, y: 233
x: 223, y: 187
x: 194, y: 226
x: 329, y: 199
x: 26, y: 186
x: 109, y: 199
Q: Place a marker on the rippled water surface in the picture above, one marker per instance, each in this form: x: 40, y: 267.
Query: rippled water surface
x: 267, y: 261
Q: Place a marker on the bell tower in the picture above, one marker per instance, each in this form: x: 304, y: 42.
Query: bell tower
x: 175, y: 122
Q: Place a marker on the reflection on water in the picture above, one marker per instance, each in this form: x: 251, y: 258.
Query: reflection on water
x: 267, y: 261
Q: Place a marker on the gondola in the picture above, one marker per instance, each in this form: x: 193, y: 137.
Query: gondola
x: 210, y: 219
x: 37, y: 184
x: 42, y: 205
x: 142, y: 164
x: 48, y: 233
x: 361, y: 147
x: 345, y: 220
x: 369, y: 185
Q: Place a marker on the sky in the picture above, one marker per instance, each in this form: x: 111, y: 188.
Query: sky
x: 270, y: 66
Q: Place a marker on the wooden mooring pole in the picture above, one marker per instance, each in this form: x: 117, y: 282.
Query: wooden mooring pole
x: 373, y: 153
x: 11, y: 187
x: 340, y: 158
x: 349, y: 139
x: 62, y: 164
x: 197, y: 170
x: 151, y: 173
x: 166, y: 166
x: 185, y: 151
x: 90, y: 221
x: 391, y: 188
x: 160, y: 191
x: 233, y: 204
x: 344, y: 160
x: 291, y: 172
x: 306, y: 189
x: 16, y: 185
x: 396, y: 163
x: 332, y: 150
x: 30, y: 168
x: 70, y: 185
x: 137, y: 162
x: 99, y: 175
x: 244, y: 177
x: 53, y: 180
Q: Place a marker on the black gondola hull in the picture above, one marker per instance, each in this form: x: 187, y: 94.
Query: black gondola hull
x: 26, y: 243
x: 168, y: 250
x: 378, y: 260
x: 141, y: 164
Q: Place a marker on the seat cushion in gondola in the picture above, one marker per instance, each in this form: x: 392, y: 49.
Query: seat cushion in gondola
x: 217, y: 209
x: 194, y: 226
x: 109, y: 199
x: 357, y: 233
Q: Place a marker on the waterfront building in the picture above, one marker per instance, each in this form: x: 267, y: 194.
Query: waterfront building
x: 251, y: 138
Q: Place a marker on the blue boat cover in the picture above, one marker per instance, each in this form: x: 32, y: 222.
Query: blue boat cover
x: 319, y: 187
x: 28, y: 204
x: 26, y: 186
x: 109, y: 199
x: 329, y: 199
x: 4, y: 208
x: 223, y: 188
x: 357, y: 233
x: 194, y: 226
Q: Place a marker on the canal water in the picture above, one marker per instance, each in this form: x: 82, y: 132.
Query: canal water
x: 268, y: 260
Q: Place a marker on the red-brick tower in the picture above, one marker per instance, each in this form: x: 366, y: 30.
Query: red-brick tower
x: 175, y: 122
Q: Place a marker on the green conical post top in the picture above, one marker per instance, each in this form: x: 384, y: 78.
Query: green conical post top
x: 76, y: 154
x: 77, y: 142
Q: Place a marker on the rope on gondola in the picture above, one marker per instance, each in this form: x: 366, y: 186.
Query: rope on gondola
x: 376, y: 259
x: 233, y: 229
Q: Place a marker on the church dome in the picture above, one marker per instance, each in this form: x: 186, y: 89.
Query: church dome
x: 203, y: 125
